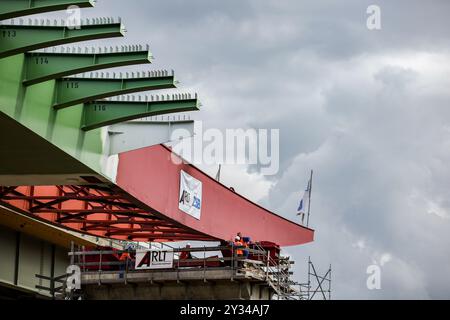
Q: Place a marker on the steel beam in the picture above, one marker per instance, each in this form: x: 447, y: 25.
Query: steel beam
x: 73, y: 91
x: 88, y: 211
x: 41, y: 66
x: 102, y: 113
x: 17, y: 39
x: 105, y: 223
x: 168, y: 237
x: 76, y: 211
x: 124, y: 231
x: 134, y: 135
x: 17, y: 8
x: 62, y: 198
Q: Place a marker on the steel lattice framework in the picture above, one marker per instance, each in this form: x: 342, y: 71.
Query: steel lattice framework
x: 96, y: 210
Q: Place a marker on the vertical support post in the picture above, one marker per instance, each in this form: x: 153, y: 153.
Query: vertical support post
x: 279, y: 280
x: 100, y: 268
x: 178, y: 267
x: 72, y: 257
x: 309, y: 198
x: 100, y: 261
x: 204, y: 263
x: 72, y: 261
x: 126, y: 270
x: 267, y: 265
x: 16, y: 260
x: 84, y: 258
x: 309, y: 276
x: 41, y: 264
x: 329, y: 286
x: 232, y: 262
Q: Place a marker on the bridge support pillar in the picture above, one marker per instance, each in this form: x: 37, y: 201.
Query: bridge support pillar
x: 196, y: 290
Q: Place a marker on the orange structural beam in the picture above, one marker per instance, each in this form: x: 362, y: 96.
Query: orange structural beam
x: 96, y: 210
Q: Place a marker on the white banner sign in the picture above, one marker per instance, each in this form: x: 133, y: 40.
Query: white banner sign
x: 153, y: 259
x: 190, y: 199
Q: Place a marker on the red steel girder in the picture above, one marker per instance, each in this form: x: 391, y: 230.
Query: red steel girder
x: 88, y: 211
x: 97, y: 210
x: 142, y: 205
x: 152, y: 175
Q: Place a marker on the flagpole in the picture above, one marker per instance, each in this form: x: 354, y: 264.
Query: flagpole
x: 218, y: 173
x: 309, y: 198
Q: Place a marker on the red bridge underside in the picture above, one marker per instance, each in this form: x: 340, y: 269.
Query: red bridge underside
x: 143, y: 205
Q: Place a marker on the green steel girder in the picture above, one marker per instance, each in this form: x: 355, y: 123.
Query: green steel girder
x: 35, y: 88
x: 47, y: 66
x: 17, y: 39
x: 17, y: 8
x: 72, y: 91
x: 97, y: 114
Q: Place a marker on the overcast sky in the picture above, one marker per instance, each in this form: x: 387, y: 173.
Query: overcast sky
x: 367, y: 110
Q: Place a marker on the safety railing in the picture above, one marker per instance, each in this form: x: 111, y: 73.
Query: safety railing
x: 234, y: 261
x: 80, y: 255
x: 275, y: 272
x: 278, y: 275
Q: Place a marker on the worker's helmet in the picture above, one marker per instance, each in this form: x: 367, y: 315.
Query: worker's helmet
x: 237, y: 238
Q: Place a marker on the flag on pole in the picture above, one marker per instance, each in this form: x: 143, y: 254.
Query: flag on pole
x: 303, y: 206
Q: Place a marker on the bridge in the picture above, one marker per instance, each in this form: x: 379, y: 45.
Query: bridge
x: 80, y: 151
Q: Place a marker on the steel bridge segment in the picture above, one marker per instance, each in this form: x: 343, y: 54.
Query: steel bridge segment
x: 134, y: 135
x: 97, y: 210
x: 103, y: 113
x: 153, y: 175
x: 149, y: 179
x: 63, y: 170
x: 18, y: 8
x: 75, y: 90
x: 28, y: 156
x: 16, y: 39
x: 32, y: 90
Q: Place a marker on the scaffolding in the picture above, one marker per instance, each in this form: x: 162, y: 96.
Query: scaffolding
x: 317, y: 287
x: 260, y: 266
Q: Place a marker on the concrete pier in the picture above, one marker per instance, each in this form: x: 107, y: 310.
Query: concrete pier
x: 183, y: 284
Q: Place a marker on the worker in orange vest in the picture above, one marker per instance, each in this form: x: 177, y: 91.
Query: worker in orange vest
x: 127, y: 262
x: 238, y: 251
x: 125, y: 256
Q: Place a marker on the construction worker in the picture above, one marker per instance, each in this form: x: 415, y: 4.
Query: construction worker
x: 238, y: 243
x: 246, y: 244
x: 125, y: 256
x: 238, y: 252
x: 186, y: 254
x: 126, y: 261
